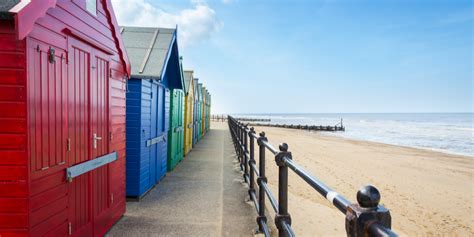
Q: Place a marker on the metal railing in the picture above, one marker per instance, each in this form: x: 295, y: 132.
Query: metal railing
x: 365, y: 218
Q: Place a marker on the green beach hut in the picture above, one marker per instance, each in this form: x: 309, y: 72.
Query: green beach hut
x: 200, y: 109
x: 176, y: 124
x: 208, y: 111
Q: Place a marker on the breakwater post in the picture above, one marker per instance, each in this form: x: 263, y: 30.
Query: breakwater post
x: 364, y: 218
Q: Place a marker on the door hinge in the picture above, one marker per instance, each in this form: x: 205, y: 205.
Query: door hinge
x: 68, y: 144
x: 111, y: 136
x: 70, y: 228
x: 111, y: 198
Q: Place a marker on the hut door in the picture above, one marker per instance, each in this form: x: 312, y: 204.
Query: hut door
x: 162, y: 147
x: 79, y: 77
x: 99, y: 131
x: 154, y: 121
x: 88, y: 117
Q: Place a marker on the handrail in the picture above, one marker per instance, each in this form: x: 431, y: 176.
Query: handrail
x: 365, y: 218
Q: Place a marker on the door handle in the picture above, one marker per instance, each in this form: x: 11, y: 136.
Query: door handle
x: 96, y: 138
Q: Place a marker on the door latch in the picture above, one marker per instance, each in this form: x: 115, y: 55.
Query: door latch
x: 96, y: 138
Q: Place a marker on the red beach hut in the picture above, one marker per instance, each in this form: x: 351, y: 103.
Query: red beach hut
x: 63, y: 70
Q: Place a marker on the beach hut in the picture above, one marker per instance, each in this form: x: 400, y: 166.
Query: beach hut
x: 196, y: 112
x: 204, y: 115
x: 205, y: 111
x: 188, y: 111
x: 200, y: 106
x: 208, y: 111
x: 63, y: 70
x: 176, y: 124
x: 155, y: 72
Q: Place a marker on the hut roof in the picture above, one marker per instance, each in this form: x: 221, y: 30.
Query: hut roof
x: 196, y: 92
x: 199, y: 89
x: 188, y: 78
x: 6, y: 5
x: 148, y: 49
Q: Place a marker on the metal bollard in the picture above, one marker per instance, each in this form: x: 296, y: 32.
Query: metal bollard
x: 262, y: 178
x: 367, y: 217
x: 282, y: 216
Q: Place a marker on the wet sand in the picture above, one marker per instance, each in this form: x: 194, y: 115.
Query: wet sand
x: 427, y: 192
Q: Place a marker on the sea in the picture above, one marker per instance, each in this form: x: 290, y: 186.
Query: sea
x: 446, y: 132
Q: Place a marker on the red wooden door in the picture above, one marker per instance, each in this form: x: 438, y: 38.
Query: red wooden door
x: 88, y: 117
x: 80, y: 200
x: 99, y: 112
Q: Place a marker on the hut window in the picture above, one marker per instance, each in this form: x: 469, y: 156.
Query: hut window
x: 91, y: 6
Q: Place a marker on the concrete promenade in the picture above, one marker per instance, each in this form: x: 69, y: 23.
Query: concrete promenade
x: 203, y: 196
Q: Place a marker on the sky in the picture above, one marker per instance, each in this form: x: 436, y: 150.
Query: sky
x: 315, y: 56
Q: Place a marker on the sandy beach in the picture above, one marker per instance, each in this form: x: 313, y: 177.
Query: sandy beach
x: 427, y: 192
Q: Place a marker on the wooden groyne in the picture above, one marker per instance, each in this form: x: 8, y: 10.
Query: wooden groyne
x: 335, y: 128
x: 223, y: 118
x: 254, y: 122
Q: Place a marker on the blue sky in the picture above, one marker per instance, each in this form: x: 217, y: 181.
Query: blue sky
x: 322, y: 56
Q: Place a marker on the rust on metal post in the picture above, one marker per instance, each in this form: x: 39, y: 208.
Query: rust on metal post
x: 367, y: 217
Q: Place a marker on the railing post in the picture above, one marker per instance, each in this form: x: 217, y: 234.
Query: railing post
x: 245, y: 141
x: 262, y: 178
x: 367, y: 217
x: 238, y: 131
x: 282, y: 216
x: 251, y: 163
x: 240, y: 147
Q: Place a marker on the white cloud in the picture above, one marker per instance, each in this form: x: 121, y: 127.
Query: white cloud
x: 194, y: 24
x: 227, y: 1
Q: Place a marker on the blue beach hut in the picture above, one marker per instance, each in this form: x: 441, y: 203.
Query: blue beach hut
x: 196, y: 112
x: 156, y: 70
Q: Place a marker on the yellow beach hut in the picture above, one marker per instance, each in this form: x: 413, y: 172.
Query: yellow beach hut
x: 188, y: 111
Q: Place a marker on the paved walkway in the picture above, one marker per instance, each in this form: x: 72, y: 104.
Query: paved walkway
x: 203, y: 196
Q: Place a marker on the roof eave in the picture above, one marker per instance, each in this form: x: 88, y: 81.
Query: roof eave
x: 27, y: 12
x: 168, y: 55
x: 117, y: 37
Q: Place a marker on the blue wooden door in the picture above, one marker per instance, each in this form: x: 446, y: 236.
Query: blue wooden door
x: 153, y: 133
x: 162, y: 132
